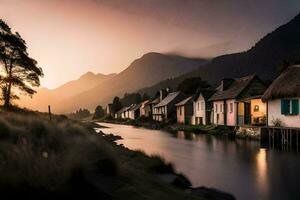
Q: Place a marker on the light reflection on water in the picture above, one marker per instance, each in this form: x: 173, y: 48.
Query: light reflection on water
x: 240, y: 167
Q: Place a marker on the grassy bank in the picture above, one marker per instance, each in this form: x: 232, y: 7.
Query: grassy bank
x: 170, y: 126
x: 65, y: 159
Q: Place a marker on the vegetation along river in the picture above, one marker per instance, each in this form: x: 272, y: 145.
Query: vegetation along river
x: 240, y: 167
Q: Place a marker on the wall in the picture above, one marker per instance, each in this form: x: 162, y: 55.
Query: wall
x: 199, y: 110
x: 218, y: 112
x: 262, y: 109
x: 231, y: 115
x: 274, y: 112
x: 180, y: 114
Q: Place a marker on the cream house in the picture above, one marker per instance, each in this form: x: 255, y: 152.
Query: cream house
x: 202, y: 107
x: 283, y: 98
x: 234, y: 99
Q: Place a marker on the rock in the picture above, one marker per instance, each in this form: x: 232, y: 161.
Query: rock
x: 211, y: 194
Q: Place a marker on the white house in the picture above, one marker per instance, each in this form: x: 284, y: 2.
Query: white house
x: 134, y: 111
x: 202, y: 107
x: 283, y: 98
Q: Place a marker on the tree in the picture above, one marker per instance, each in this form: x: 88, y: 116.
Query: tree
x: 116, y: 105
x: 99, y: 112
x: 190, y: 85
x: 19, y: 71
x: 145, y: 97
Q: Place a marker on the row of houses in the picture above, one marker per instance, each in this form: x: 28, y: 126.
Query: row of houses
x: 245, y: 101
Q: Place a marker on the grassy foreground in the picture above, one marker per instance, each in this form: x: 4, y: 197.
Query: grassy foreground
x: 55, y: 159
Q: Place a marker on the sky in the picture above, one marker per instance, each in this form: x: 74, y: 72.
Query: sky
x: 71, y: 37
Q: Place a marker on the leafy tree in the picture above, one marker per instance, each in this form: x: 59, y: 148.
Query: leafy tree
x: 116, y: 105
x: 190, y: 85
x: 99, y: 112
x: 19, y: 71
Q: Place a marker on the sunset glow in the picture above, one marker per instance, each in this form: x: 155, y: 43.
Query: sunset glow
x: 106, y: 36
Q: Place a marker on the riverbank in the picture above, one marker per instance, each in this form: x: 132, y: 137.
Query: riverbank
x: 60, y: 158
x: 174, y: 127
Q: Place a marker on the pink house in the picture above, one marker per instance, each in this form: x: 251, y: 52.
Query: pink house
x: 238, y: 102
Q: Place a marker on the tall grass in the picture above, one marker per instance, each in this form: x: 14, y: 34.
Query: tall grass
x: 41, y: 155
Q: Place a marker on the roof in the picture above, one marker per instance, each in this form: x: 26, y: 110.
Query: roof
x: 168, y: 99
x: 237, y: 86
x: 206, y: 94
x: 286, y: 85
x: 185, y: 101
x: 134, y: 107
x: 123, y: 109
x: 154, y: 101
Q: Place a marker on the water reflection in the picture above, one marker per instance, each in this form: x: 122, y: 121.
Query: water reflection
x: 261, y: 162
x: 237, y: 166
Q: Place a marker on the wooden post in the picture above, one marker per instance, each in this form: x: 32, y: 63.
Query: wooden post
x: 49, y: 111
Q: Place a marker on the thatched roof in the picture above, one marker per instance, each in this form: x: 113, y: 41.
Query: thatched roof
x: 286, y: 85
x: 233, y: 91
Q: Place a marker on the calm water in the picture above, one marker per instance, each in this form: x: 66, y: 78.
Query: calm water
x: 242, y: 168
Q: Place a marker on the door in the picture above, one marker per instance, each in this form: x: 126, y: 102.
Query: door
x: 247, y: 113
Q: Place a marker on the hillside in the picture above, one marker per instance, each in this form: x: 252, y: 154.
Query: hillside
x: 264, y: 58
x: 151, y: 68
x: 45, y: 97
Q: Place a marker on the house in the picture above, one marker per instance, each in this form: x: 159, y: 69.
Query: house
x: 145, y: 109
x: 202, y: 108
x: 165, y: 109
x: 123, y: 113
x: 151, y: 105
x: 134, y: 111
x: 237, y: 102
x: 184, y: 111
x: 282, y: 98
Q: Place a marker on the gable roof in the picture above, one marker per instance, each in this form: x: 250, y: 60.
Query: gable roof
x: 286, y: 85
x: 134, y: 107
x: 123, y: 109
x: 206, y: 94
x: 232, y: 92
x: 185, y: 101
x: 168, y: 99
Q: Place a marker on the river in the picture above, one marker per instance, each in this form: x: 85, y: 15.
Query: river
x: 239, y: 167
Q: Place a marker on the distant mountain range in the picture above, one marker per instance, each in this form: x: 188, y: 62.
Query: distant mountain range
x: 92, y: 90
x: 264, y: 59
x: 154, y: 71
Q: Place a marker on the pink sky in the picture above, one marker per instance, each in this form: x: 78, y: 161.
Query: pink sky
x: 69, y: 38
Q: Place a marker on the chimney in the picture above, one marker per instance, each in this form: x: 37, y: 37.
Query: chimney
x: 225, y: 83
x: 162, y: 94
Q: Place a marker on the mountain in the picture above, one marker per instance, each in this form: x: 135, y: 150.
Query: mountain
x: 143, y: 72
x: 264, y: 58
x: 45, y: 97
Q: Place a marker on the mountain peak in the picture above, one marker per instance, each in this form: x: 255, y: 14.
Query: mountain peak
x: 88, y: 75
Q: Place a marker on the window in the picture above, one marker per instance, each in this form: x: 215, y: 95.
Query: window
x: 198, y: 106
x: 216, y: 107
x: 180, y: 112
x: 231, y: 107
x: 289, y: 106
x: 256, y: 108
x: 221, y: 107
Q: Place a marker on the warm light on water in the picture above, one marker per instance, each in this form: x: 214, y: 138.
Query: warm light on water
x: 240, y: 167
